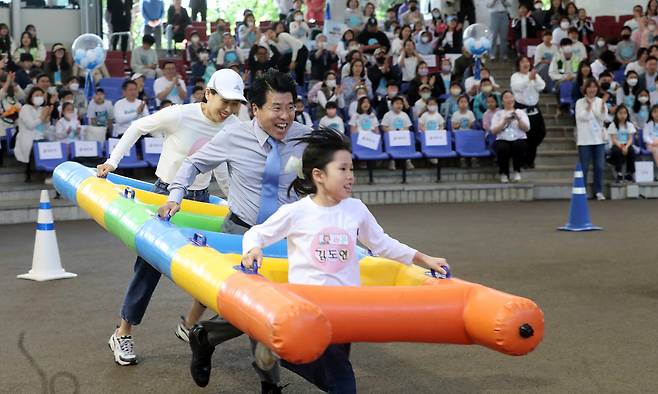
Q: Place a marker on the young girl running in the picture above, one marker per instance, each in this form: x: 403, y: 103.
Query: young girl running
x: 322, y: 229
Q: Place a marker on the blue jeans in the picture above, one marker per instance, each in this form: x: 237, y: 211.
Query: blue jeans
x: 145, y: 277
x: 595, y: 154
x: 499, y: 30
x: 332, y: 372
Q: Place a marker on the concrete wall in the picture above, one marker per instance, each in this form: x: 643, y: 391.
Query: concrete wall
x: 53, y: 25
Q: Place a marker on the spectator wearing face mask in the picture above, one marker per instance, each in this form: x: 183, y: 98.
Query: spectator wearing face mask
x: 471, y: 84
x: 627, y: 92
x: 322, y: 59
x: 564, y: 66
x: 79, y: 98
x: 33, y: 123
x: 431, y: 119
x: 562, y: 31
x: 330, y: 92
x: 383, y: 104
x: 68, y: 126
x: 420, y: 105
x: 425, y: 44
x: 383, y: 71
x: 298, y: 27
x: 540, y: 16
x: 645, y: 34
x: 248, y: 32
x: 600, y: 46
x: 640, y: 110
x: 203, y: 67
x: 302, y: 116
x: 423, y: 77
x: 193, y: 47
x: 480, y: 100
x: 450, y: 106
x: 626, y: 48
x: 445, y: 75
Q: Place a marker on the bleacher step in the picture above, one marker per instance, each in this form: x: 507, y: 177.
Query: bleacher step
x: 25, y: 211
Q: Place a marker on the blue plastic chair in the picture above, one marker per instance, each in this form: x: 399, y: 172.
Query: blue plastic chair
x: 639, y: 142
x: 368, y: 155
x: 437, y: 151
x: 128, y: 161
x: 111, y: 83
x: 151, y: 158
x: 565, y: 93
x: 402, y: 152
x: 619, y: 75
x: 48, y: 165
x: 471, y: 143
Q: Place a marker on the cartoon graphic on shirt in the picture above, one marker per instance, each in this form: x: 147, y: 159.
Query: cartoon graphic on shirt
x: 332, y: 247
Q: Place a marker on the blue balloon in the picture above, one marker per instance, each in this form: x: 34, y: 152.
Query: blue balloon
x: 88, y: 52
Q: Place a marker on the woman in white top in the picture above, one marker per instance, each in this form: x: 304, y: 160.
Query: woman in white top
x: 591, y: 111
x: 409, y: 60
x: 33, y: 123
x: 299, y: 28
x: 526, y: 85
x: 293, y: 52
x: 342, y: 48
x: 510, y: 126
x: 248, y: 31
x: 329, y: 91
x: 398, y: 42
x: 187, y: 128
x: 127, y: 109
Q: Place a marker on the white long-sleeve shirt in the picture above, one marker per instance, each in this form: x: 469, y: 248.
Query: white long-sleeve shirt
x: 322, y: 241
x: 186, y: 129
x: 650, y: 133
x: 526, y: 91
x: 589, y: 123
x: 286, y: 44
x: 125, y: 112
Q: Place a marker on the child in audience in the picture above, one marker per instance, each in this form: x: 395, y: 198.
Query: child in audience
x: 628, y: 91
x: 99, y: 110
x: 480, y: 100
x: 68, y: 126
x: 492, y: 108
x: 640, y: 110
x: 327, y: 212
x: 421, y: 104
x: 396, y: 119
x: 65, y: 96
x: 79, y: 98
x: 650, y: 135
x: 361, y: 91
x: 365, y: 118
x: 302, y: 116
x: 331, y: 120
x: 197, y: 94
x: 464, y: 118
x: 621, y: 132
x: 431, y: 119
x: 450, y: 106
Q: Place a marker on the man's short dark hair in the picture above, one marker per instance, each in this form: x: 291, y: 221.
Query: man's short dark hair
x: 331, y: 104
x: 396, y: 99
x: 148, y: 39
x: 26, y: 57
x: 605, y: 74
x: 196, y: 89
x: 271, y: 81
x: 127, y: 82
x: 565, y: 41
x: 651, y: 58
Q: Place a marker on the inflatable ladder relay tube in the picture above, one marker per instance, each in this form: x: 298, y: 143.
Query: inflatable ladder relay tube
x: 396, y: 303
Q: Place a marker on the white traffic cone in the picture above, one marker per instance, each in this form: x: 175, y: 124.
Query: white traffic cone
x: 46, y: 264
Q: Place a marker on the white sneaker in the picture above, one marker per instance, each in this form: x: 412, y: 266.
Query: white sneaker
x: 409, y: 165
x: 600, y: 196
x: 434, y: 161
x: 182, y: 332
x: 264, y: 357
x: 48, y: 181
x: 504, y: 178
x: 391, y: 165
x: 123, y: 349
x: 516, y: 176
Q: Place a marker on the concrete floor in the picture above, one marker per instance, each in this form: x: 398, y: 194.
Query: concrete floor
x: 598, y: 291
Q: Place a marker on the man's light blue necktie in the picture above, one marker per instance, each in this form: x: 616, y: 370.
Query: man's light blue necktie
x: 269, y: 197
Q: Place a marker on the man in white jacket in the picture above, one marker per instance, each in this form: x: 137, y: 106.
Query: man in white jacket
x: 186, y: 128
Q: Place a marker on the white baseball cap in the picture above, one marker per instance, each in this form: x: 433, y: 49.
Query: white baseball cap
x: 228, y: 84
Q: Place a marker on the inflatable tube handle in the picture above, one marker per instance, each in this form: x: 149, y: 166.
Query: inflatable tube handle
x: 129, y: 193
x: 242, y: 268
x: 437, y: 275
x: 198, y: 239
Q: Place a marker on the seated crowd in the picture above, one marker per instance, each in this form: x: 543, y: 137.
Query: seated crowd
x: 406, y: 72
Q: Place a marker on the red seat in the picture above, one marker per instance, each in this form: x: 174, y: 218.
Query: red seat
x: 201, y: 30
x: 624, y: 18
x: 115, y: 67
x: 525, y: 42
x: 605, y: 19
x: 200, y: 24
x: 607, y: 30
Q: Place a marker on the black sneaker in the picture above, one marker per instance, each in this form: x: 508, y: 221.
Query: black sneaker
x: 619, y: 178
x: 629, y: 177
x: 201, y: 364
